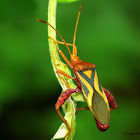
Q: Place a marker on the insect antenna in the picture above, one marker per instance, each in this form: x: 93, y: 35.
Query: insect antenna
x: 74, y: 37
x: 57, y: 33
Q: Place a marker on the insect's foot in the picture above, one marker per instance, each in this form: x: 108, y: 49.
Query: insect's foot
x: 66, y: 134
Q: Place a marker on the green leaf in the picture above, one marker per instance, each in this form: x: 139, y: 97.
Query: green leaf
x: 66, y: 1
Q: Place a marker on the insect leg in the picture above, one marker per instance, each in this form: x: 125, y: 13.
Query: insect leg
x: 82, y: 108
x: 62, y: 54
x: 63, y: 80
x: 111, y: 99
x: 59, y: 42
x: 61, y: 100
x: 100, y: 126
x: 64, y: 74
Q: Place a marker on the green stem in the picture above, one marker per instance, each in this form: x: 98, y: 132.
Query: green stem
x: 57, y: 64
x: 55, y: 59
x: 52, y: 20
x: 70, y: 105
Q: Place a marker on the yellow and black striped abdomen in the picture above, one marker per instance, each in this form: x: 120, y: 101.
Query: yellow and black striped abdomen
x: 95, y: 96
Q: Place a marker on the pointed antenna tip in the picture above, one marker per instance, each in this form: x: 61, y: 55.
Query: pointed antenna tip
x: 41, y: 20
x: 80, y: 7
x: 38, y: 19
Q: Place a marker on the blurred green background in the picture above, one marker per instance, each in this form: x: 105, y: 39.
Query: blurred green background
x: 108, y: 35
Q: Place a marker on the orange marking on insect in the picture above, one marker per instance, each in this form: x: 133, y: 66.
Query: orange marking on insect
x: 88, y: 73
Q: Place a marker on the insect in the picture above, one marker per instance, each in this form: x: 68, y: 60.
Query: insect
x: 100, y: 101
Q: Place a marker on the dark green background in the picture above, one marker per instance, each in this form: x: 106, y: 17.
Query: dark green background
x: 108, y: 35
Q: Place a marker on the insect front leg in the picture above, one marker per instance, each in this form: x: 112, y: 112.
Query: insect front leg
x: 111, y: 99
x: 59, y: 42
x: 65, y: 74
x: 61, y: 100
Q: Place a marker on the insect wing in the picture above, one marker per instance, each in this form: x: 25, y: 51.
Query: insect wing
x: 95, y: 96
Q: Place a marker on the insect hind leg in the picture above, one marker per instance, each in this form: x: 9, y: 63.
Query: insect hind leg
x: 100, y: 126
x: 111, y: 99
x: 61, y: 100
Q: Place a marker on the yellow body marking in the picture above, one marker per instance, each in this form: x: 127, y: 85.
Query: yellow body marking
x: 90, y: 94
x: 88, y: 73
x: 96, y: 86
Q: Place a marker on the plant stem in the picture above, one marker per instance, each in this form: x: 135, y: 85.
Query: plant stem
x: 69, y: 106
x: 51, y: 32
x: 57, y: 64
